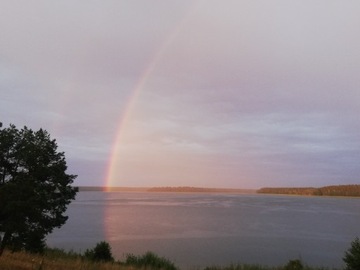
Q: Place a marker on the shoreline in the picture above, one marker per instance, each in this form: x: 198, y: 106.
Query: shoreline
x: 169, y: 190
x: 337, y: 191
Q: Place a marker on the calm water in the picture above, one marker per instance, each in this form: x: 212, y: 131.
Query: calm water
x: 197, y: 230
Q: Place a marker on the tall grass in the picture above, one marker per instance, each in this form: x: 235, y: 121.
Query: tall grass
x: 53, y: 260
x: 259, y: 267
x: 57, y: 259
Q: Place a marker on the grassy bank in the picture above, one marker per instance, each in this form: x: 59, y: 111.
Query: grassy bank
x: 57, y: 259
x: 52, y: 261
x: 289, y: 266
x: 60, y: 260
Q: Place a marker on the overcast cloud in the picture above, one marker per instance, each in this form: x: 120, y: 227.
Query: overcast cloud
x: 240, y: 94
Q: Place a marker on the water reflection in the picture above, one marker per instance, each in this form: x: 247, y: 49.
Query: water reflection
x: 196, y: 230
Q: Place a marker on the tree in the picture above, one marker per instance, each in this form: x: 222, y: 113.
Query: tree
x: 34, y: 188
x: 101, y: 252
x: 352, y: 256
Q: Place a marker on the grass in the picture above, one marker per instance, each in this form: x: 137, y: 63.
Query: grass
x: 57, y: 259
x: 53, y: 260
x: 290, y: 265
x: 259, y: 267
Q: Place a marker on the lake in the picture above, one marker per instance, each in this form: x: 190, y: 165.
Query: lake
x: 195, y: 230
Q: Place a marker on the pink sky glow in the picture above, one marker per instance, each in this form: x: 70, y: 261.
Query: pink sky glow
x: 239, y: 94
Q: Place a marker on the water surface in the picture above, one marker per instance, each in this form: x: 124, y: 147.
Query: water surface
x: 197, y: 230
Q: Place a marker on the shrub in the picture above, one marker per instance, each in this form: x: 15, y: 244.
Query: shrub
x: 56, y: 253
x: 294, y: 265
x: 101, y: 252
x: 241, y: 267
x: 352, y: 256
x: 151, y: 260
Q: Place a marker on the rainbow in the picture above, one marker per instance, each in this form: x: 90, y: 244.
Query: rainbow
x: 135, y: 93
x: 110, y: 172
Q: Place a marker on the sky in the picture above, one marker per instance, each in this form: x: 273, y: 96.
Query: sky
x: 205, y: 93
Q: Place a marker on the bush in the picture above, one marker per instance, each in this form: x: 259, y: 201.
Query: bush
x: 101, y: 252
x: 352, y: 256
x: 56, y: 253
x: 241, y: 267
x: 151, y: 260
x: 294, y: 265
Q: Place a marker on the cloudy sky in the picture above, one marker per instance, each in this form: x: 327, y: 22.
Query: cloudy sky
x: 240, y: 94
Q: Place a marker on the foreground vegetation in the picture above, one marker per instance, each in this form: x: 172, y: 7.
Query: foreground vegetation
x: 57, y: 259
x: 100, y: 258
x: 60, y: 260
x: 52, y: 260
x: 340, y: 190
x: 291, y: 265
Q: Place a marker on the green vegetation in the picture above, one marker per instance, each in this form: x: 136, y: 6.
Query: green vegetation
x: 149, y: 260
x: 99, y: 257
x: 352, y: 256
x: 294, y: 265
x: 57, y: 259
x: 53, y: 259
x: 101, y: 252
x: 340, y: 190
x: 351, y: 259
x: 290, y: 265
x: 34, y: 188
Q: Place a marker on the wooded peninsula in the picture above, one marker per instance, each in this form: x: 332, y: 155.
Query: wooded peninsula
x: 340, y: 190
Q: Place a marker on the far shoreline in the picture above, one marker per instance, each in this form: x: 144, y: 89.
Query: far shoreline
x: 346, y: 191
x: 169, y: 190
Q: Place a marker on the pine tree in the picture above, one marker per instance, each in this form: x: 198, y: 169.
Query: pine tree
x: 34, y: 188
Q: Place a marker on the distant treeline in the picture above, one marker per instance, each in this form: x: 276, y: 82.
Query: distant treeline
x: 200, y: 190
x: 112, y: 189
x: 167, y: 189
x: 341, y: 190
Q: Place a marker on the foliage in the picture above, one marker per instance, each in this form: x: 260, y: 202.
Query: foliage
x: 294, y: 265
x: 58, y: 259
x: 340, y: 190
x: 288, y: 191
x: 352, y: 256
x: 240, y: 267
x: 53, y: 259
x: 151, y: 260
x: 101, y: 252
x: 291, y: 265
x: 34, y: 188
x: 56, y: 253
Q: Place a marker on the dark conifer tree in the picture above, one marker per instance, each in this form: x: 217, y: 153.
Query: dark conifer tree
x: 352, y: 256
x: 34, y: 188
